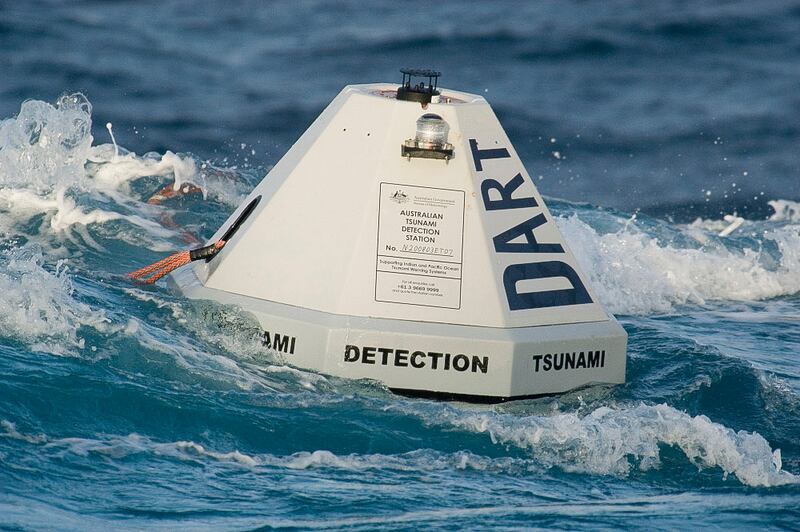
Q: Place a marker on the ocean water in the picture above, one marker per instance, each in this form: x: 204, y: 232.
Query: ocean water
x: 645, y: 125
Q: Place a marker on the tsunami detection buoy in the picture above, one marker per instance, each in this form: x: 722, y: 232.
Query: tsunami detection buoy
x: 401, y: 239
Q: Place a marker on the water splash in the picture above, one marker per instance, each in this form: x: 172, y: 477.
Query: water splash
x: 46, y: 146
x: 38, y: 306
x: 644, y: 270
x: 49, y: 167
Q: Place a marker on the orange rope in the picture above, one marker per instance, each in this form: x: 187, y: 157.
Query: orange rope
x: 152, y: 273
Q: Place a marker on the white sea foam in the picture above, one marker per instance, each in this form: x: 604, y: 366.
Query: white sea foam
x: 306, y: 379
x: 122, y: 446
x: 112, y: 171
x: 38, y: 306
x: 634, y: 273
x: 785, y: 211
x: 610, y: 441
x: 10, y: 431
x: 176, y: 310
x: 419, y: 460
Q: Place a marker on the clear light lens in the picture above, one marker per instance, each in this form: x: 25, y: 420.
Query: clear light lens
x: 432, y: 131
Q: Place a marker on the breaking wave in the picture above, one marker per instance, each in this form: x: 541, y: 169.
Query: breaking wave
x: 607, y: 441
x: 610, y: 441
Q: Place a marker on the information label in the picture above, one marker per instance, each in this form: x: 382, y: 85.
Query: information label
x: 420, y: 241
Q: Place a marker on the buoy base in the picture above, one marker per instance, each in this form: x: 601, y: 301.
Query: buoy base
x: 480, y: 364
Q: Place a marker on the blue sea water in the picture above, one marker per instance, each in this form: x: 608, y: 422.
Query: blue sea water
x: 644, y: 123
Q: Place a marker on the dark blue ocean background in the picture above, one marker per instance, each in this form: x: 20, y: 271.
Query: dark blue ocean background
x: 651, y: 126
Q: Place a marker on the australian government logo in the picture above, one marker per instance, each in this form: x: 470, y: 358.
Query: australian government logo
x: 399, y: 196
